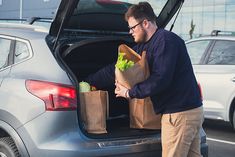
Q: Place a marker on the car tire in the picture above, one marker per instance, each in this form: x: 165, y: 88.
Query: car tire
x: 8, y: 148
x: 233, y: 120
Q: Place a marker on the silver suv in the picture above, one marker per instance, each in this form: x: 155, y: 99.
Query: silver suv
x: 39, y: 74
x: 213, y: 59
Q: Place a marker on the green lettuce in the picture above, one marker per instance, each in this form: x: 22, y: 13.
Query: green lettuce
x: 123, y: 64
x: 84, y: 87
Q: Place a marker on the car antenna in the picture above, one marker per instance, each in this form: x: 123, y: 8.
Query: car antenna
x: 176, y: 15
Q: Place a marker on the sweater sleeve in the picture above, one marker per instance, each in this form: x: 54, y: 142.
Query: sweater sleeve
x: 163, y: 57
x: 103, y: 78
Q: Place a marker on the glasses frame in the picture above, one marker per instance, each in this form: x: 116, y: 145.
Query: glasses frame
x: 133, y: 27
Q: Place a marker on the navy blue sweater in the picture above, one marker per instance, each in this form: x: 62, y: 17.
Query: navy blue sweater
x: 172, y: 85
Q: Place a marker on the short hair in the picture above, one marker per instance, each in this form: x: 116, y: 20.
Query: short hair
x: 141, y: 11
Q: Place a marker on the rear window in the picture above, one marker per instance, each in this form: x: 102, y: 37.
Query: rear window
x: 100, y: 14
x: 21, y: 51
x: 196, y: 49
x: 223, y: 52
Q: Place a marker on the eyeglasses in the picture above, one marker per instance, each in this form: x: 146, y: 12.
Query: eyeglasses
x: 133, y: 27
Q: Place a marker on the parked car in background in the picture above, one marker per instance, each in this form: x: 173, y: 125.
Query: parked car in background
x: 13, y: 20
x: 40, y: 21
x: 40, y: 72
x: 213, y: 59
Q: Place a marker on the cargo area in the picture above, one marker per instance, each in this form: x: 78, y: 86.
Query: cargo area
x: 87, y: 57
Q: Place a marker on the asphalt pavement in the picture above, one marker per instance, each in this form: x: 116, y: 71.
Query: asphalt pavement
x: 220, y: 138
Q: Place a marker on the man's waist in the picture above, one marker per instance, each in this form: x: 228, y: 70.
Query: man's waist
x: 161, y: 107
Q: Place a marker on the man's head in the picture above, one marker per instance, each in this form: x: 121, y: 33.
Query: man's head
x: 142, y: 21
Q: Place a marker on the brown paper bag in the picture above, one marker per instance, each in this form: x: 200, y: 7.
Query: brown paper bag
x: 142, y: 114
x: 93, y: 108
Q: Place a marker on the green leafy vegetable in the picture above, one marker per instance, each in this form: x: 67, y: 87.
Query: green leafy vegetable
x: 84, y: 87
x: 123, y: 64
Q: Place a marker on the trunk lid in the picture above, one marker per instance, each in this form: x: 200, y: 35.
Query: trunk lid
x: 79, y: 15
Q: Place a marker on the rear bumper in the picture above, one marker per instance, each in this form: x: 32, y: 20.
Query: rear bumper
x: 58, y: 134
x: 72, y: 145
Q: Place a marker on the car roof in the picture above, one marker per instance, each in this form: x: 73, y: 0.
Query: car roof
x: 220, y: 37
x: 216, y: 35
x: 25, y: 31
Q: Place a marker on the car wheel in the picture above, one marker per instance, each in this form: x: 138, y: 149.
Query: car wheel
x: 8, y: 148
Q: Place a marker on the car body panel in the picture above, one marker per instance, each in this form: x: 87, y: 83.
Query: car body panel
x: 216, y: 80
x: 33, y: 69
x: 213, y: 81
x: 3, y: 73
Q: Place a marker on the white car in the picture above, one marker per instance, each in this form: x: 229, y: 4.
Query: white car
x: 213, y: 59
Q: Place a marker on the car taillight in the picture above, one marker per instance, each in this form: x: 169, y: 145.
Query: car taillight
x: 56, y: 96
x: 200, y: 89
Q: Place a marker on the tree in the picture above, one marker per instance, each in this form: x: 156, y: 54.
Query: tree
x: 192, y: 29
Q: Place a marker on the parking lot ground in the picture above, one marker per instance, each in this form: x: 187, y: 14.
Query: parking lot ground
x: 220, y: 138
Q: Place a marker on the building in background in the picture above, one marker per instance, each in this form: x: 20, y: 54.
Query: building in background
x: 28, y: 8
x: 205, y: 15
x: 196, y: 18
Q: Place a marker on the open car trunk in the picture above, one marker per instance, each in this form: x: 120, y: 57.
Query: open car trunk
x: 89, y: 56
x: 99, y: 18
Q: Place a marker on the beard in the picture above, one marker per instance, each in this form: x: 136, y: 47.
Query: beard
x: 142, y: 36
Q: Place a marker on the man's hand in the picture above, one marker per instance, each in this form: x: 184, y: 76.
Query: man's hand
x: 121, y: 91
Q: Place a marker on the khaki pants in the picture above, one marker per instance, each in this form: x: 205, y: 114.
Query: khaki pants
x: 180, y: 133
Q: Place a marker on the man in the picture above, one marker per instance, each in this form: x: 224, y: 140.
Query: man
x: 171, y: 85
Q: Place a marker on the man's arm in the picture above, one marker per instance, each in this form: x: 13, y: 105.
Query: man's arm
x: 103, y: 78
x: 161, y: 72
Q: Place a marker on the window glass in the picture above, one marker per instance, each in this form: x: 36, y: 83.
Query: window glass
x: 208, y: 2
x: 223, y: 52
x: 230, y: 2
x: 219, y: 22
x: 187, y: 3
x: 197, y: 9
x: 186, y: 24
x: 230, y: 8
x: 230, y: 20
x: 196, y: 24
x: 21, y: 51
x: 208, y: 22
x: 197, y: 3
x: 196, y: 49
x: 219, y: 2
x: 4, y: 52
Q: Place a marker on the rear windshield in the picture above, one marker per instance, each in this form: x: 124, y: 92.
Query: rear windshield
x: 100, y: 14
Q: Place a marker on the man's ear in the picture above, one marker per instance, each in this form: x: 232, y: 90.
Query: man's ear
x: 146, y: 23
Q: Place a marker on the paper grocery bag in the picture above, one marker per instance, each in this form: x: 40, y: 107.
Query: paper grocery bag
x: 94, y: 109
x: 142, y: 114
